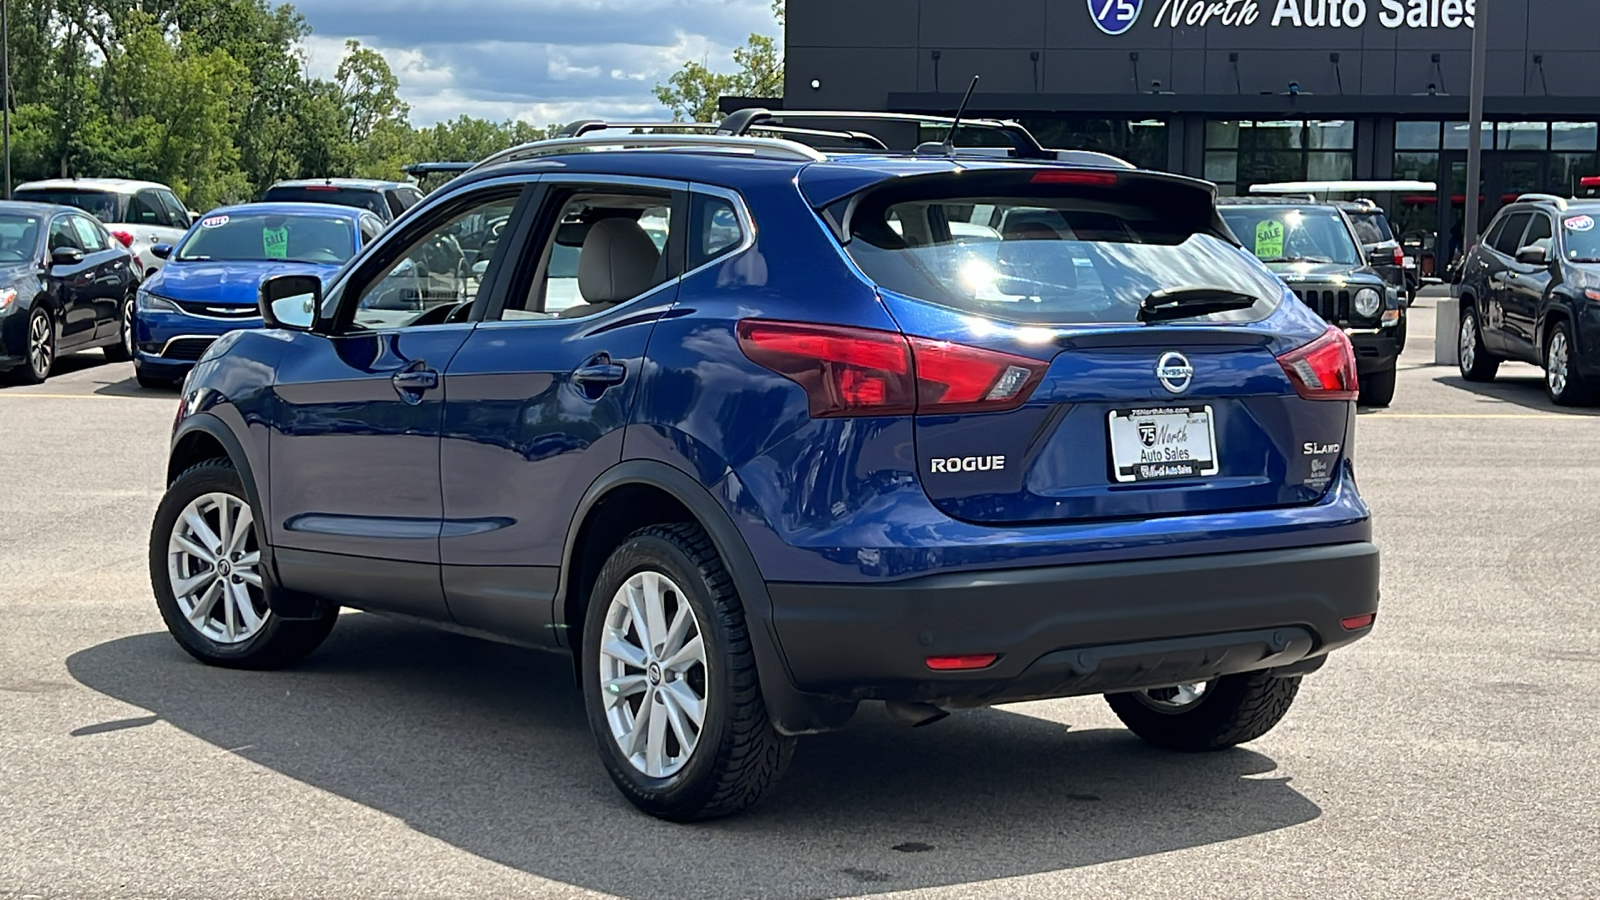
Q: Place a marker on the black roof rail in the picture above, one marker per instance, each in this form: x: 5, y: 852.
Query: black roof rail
x: 585, y: 126
x: 1023, y: 144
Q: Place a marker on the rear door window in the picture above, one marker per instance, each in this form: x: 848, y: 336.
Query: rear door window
x: 1038, y: 253
x: 91, y: 237
x: 145, y: 208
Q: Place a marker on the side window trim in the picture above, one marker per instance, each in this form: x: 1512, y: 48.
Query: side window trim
x: 746, y: 225
x: 395, y: 242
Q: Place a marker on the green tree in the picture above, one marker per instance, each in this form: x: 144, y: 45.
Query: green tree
x: 692, y: 92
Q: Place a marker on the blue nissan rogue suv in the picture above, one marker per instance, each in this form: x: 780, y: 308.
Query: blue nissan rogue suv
x: 757, y: 431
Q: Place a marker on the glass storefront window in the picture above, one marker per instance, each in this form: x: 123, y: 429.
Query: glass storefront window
x: 1241, y: 154
x: 1456, y: 134
x: 1330, y: 166
x: 1222, y: 165
x: 1567, y: 168
x: 1416, y: 166
x: 1271, y: 135
x: 1142, y: 142
x: 1573, y: 135
x: 1222, y: 135
x: 1331, y: 135
x: 1522, y: 136
x: 1416, y: 135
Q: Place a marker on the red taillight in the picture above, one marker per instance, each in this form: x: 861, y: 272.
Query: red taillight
x: 322, y: 187
x: 962, y: 663
x: 866, y: 372
x: 1590, y: 181
x: 1075, y: 176
x: 1399, y: 256
x: 1324, y: 369
x: 124, y: 238
x: 1356, y: 623
x: 845, y: 371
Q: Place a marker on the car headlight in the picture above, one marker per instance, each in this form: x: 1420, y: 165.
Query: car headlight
x: 1368, y: 302
x: 148, y: 302
x: 8, y: 300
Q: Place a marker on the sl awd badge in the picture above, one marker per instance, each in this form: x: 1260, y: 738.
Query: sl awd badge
x: 1175, y: 373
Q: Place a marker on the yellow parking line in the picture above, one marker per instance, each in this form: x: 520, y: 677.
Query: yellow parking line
x: 1555, y: 417
x: 4, y: 396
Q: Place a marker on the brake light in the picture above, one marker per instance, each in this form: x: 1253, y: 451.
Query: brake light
x: 1075, y: 176
x: 1356, y: 623
x: 866, y: 372
x: 1399, y: 256
x: 123, y: 237
x: 1324, y: 369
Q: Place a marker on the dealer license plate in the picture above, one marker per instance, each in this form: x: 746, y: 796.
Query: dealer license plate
x: 1163, y: 443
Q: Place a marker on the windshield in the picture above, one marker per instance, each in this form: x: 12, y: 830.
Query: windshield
x: 1279, y: 234
x: 19, y: 237
x: 101, y: 205
x: 274, y: 238
x: 1039, y: 260
x: 1583, y: 238
x: 1372, y: 228
x: 371, y: 201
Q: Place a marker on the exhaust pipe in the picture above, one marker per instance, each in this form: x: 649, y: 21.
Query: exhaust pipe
x: 915, y: 714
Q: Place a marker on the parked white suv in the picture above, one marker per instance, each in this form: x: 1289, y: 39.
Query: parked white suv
x: 139, y: 214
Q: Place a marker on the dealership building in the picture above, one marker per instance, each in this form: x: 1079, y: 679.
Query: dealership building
x: 1239, y: 92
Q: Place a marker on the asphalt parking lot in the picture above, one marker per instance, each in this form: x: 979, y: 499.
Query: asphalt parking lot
x: 1453, y: 754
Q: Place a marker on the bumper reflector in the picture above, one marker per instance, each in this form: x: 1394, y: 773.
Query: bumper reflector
x: 1356, y: 623
x: 961, y: 663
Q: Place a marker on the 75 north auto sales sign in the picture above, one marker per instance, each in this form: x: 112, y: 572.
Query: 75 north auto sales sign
x: 1116, y: 17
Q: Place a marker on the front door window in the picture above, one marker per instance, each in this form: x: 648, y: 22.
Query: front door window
x: 439, y: 275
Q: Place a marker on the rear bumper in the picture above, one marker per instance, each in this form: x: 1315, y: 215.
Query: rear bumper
x: 1072, y: 630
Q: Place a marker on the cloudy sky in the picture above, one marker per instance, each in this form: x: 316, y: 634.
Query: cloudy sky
x: 540, y: 60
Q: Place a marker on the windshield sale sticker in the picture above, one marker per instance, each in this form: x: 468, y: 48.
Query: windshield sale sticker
x: 214, y: 222
x: 275, y: 241
x: 1269, y: 239
x: 1580, y: 223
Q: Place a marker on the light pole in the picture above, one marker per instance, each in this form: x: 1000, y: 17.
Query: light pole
x: 5, y: 85
x: 1480, y: 53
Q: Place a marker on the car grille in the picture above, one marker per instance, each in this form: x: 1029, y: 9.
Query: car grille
x: 1334, y: 306
x: 187, y: 349
x: 213, y: 311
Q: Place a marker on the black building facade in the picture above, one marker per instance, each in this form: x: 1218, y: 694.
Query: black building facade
x: 1240, y: 92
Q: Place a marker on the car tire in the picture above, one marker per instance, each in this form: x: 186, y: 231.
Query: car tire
x: 1231, y: 710
x: 671, y: 769
x: 39, y: 349
x: 1562, y: 380
x: 1475, y: 361
x: 122, y: 350
x: 1377, y: 388
x: 219, y: 613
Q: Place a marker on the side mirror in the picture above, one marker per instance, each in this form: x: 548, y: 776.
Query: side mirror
x: 1534, y: 255
x: 66, y: 257
x: 291, y: 301
x: 161, y: 251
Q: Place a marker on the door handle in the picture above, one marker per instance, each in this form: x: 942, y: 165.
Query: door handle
x: 415, y: 380
x: 601, y: 372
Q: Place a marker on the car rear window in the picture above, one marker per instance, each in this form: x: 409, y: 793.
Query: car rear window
x: 235, y: 237
x: 1048, y: 253
x: 1372, y: 228
x: 100, y: 204
x: 372, y: 201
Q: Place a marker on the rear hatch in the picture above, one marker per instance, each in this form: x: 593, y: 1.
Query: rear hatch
x: 334, y: 195
x: 1046, y: 395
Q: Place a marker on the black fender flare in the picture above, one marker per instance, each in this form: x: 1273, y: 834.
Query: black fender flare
x: 792, y: 711
x: 282, y: 601
x: 1555, y: 309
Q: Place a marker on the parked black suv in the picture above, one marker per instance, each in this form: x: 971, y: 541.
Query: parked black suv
x: 1382, y: 248
x: 1314, y: 248
x: 1530, y: 291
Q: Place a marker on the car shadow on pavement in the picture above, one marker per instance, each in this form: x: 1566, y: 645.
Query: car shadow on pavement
x: 130, y: 387
x: 1526, y: 391
x: 486, y: 747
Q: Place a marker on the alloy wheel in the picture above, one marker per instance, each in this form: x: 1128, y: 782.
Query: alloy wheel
x: 1469, y: 343
x: 127, y: 328
x: 1557, y: 360
x: 41, y: 345
x: 213, y: 565
x: 1173, y: 699
x: 653, y: 674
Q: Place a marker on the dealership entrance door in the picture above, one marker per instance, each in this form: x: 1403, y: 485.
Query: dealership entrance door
x: 1507, y: 175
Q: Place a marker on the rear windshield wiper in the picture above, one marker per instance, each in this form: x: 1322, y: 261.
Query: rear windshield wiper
x: 1298, y: 259
x: 1192, y: 303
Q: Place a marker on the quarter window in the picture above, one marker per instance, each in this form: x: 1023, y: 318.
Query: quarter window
x: 717, y: 229
x: 445, y: 267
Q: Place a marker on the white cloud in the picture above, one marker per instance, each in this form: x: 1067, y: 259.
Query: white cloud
x: 541, y: 61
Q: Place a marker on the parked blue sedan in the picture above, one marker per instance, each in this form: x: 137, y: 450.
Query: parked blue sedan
x: 210, y: 283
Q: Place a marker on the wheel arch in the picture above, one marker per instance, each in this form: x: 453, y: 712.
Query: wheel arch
x: 1554, y: 313
x: 639, y: 493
